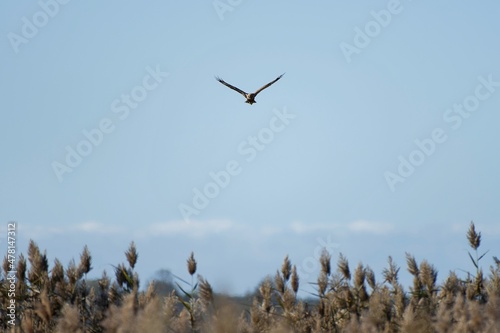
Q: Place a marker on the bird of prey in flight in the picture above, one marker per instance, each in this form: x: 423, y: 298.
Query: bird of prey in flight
x: 249, y: 96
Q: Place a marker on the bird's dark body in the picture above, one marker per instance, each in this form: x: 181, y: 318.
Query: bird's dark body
x: 250, y: 97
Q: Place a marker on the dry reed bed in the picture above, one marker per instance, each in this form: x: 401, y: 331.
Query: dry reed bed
x: 60, y: 299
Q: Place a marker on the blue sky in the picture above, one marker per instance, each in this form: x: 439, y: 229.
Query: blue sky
x: 336, y: 162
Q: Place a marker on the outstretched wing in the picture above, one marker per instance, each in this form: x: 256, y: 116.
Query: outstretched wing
x: 230, y: 86
x: 267, y: 85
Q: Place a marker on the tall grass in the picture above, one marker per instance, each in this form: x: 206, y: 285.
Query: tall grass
x: 346, y: 300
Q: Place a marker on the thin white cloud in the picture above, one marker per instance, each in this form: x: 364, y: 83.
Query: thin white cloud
x: 93, y: 227
x: 37, y: 232
x: 270, y: 230
x: 207, y: 228
x: 371, y: 227
x: 302, y: 228
x: 194, y: 228
x: 100, y: 228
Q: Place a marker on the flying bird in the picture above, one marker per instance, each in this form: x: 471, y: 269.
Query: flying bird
x: 249, y: 96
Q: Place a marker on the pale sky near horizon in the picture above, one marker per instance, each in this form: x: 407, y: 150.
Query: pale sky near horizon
x: 380, y: 139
